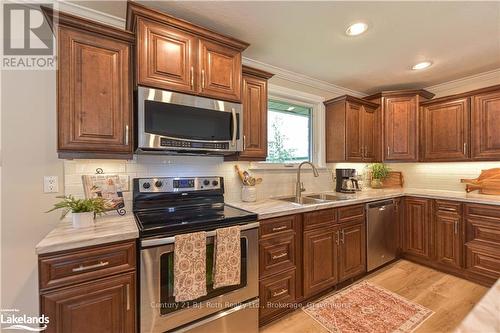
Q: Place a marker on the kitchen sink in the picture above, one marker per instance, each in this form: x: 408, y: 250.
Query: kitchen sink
x: 303, y: 200
x: 323, y: 196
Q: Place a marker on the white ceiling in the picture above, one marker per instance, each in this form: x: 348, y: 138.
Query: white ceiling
x: 461, y: 38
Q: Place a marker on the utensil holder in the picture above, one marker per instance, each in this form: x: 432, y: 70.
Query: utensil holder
x: 248, y: 193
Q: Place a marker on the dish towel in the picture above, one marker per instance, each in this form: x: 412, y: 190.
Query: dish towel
x: 190, y: 255
x: 227, y: 257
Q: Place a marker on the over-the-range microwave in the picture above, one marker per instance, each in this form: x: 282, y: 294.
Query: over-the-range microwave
x: 171, y: 122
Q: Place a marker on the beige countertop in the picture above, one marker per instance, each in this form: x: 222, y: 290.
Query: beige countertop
x: 485, y: 316
x: 273, y: 208
x: 107, y: 229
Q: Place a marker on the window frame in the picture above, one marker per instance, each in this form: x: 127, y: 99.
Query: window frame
x: 315, y: 103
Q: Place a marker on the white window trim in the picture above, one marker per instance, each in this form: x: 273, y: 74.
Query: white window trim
x: 318, y: 125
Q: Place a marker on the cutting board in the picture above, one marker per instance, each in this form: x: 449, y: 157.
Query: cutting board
x: 488, y: 182
x: 395, y: 179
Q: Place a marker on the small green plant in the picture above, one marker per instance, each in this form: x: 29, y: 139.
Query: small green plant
x: 379, y: 171
x: 71, y: 204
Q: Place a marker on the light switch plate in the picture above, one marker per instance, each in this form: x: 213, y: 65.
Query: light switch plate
x: 50, y: 184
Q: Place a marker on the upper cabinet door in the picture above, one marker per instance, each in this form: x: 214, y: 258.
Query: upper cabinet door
x: 445, y: 130
x: 165, y: 57
x: 254, y: 118
x: 94, y: 94
x: 370, y: 133
x: 353, y: 132
x: 486, y: 126
x: 220, y: 71
x: 400, y: 128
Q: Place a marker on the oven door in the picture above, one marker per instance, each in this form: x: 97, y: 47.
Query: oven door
x: 160, y: 312
x: 179, y: 122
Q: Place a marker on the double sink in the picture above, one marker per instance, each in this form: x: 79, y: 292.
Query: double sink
x: 314, y: 199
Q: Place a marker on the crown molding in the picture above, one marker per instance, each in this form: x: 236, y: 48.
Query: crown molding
x: 467, y: 83
x: 301, y: 79
x: 89, y: 13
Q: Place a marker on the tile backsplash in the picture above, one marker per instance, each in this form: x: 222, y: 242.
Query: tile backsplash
x: 275, y: 182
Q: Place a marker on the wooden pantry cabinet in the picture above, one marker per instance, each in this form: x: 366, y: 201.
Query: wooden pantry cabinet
x: 89, y: 289
x: 94, y: 88
x: 173, y: 54
x: 352, y: 130
x: 400, y: 118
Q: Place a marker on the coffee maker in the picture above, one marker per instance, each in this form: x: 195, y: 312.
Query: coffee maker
x: 346, y: 181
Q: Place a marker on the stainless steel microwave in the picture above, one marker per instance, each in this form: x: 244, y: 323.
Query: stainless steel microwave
x: 171, y: 122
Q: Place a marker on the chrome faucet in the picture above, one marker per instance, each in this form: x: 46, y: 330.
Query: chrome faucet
x: 299, y: 187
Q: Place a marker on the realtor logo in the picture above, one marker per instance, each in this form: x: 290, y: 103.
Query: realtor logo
x: 28, y: 42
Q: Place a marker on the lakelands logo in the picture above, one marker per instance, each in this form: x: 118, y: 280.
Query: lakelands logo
x: 12, y: 319
x: 28, y: 42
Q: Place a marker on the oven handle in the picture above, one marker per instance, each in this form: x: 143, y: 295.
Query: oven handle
x: 235, y: 127
x: 171, y: 240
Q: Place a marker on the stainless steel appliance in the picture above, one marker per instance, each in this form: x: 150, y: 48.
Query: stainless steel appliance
x: 346, y: 181
x: 165, y: 207
x: 381, y: 243
x: 171, y: 122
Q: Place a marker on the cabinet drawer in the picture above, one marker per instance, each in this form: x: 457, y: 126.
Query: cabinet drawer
x: 483, y: 211
x: 483, y: 230
x: 448, y: 207
x: 277, y: 254
x: 350, y: 212
x: 277, y: 292
x: 483, y: 260
x: 85, y: 264
x: 319, y: 218
x: 280, y: 224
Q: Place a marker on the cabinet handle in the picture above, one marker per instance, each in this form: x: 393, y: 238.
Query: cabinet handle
x: 279, y: 293
x: 244, y: 142
x: 465, y: 148
x: 388, y: 150
x: 343, y: 236
x: 283, y: 227
x: 85, y: 268
x: 448, y: 209
x: 337, y: 238
x: 456, y: 227
x: 203, y: 78
x: 278, y: 256
x: 128, y: 296
x: 126, y: 135
x: 192, y: 77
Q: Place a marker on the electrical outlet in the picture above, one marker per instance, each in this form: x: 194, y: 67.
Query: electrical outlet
x: 50, y: 184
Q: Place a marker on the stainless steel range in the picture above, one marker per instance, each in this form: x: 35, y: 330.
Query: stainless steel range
x: 165, y: 207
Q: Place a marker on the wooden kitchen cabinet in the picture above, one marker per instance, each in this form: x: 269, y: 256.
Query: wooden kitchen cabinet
x: 106, y: 305
x: 320, y: 259
x: 254, y: 116
x: 445, y: 129
x: 417, y: 227
x: 352, y: 249
x: 352, y: 130
x: 448, y: 231
x: 176, y: 55
x: 486, y: 124
x: 94, y: 88
x: 89, y: 289
x: 400, y: 135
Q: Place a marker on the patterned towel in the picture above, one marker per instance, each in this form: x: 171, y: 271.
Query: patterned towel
x: 227, y: 257
x: 190, y: 281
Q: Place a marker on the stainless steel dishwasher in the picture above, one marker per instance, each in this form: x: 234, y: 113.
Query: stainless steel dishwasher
x: 381, y: 244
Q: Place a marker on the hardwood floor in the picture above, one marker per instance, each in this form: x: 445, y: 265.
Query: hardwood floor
x: 450, y: 298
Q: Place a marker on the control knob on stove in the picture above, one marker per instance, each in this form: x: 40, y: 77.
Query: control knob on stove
x: 206, y: 182
x: 158, y: 183
x: 146, y: 186
x: 215, y: 183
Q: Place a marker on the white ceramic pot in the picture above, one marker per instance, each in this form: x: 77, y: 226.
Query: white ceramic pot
x: 83, y: 220
x: 248, y: 193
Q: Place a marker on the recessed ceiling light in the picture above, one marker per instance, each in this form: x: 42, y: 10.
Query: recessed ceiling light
x: 356, y: 29
x: 291, y: 108
x: 422, y: 65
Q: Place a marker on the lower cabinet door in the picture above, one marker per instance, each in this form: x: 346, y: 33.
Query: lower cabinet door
x: 416, y: 227
x: 320, y: 260
x: 105, y: 305
x: 352, y: 250
x: 448, y: 241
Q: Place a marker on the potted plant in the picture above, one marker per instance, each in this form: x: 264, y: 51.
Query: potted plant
x: 83, y: 211
x: 379, y: 172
